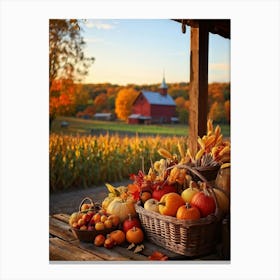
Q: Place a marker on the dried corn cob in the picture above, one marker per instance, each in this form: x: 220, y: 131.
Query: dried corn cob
x: 165, y: 153
x: 199, y: 154
x: 181, y: 150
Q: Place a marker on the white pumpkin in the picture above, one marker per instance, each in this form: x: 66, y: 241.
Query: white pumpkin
x: 122, y: 208
x: 151, y: 205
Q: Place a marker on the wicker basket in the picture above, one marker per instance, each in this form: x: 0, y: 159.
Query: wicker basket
x: 89, y: 235
x: 189, y: 238
x: 208, y: 172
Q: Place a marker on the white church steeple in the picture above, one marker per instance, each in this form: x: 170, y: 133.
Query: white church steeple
x: 163, y: 87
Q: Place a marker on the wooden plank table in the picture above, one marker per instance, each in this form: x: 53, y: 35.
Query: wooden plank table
x: 64, y: 246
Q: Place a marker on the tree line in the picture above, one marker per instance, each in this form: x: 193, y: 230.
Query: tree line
x: 84, y: 100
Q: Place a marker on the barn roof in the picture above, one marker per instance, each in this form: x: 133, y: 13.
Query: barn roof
x: 155, y: 98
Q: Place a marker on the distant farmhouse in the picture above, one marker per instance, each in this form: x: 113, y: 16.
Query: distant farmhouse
x: 104, y: 116
x: 153, y: 107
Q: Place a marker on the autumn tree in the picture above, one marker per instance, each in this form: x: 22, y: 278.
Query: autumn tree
x: 180, y: 102
x: 217, y: 112
x: 124, y: 101
x: 227, y: 110
x: 100, y: 102
x: 66, y: 57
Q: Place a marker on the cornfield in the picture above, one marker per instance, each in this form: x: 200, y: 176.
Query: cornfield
x: 84, y: 161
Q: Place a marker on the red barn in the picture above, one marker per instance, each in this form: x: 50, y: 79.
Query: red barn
x: 153, y: 107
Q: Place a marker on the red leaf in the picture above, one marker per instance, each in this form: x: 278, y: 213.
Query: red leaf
x: 158, y: 256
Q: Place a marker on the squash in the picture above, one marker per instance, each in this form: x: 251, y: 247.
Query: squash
x: 187, y: 212
x: 170, y: 203
x: 118, y: 236
x: 107, y: 200
x: 151, y: 205
x: 188, y: 193
x: 223, y: 179
x: 114, y: 192
x: 223, y: 200
x: 122, y: 208
x: 135, y: 235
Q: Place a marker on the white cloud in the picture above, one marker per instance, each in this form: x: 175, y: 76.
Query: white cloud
x: 99, y: 25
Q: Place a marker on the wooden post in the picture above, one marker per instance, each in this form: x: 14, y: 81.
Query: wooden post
x: 198, y: 84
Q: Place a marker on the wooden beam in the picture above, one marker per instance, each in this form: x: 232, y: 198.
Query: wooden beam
x: 198, y: 84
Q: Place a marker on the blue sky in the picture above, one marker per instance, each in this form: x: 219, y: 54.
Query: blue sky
x: 139, y: 51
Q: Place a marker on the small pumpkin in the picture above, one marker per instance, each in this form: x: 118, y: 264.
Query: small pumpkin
x: 151, y: 205
x: 122, y: 208
x: 170, y: 203
x: 135, y: 235
x: 118, y: 236
x: 187, y: 212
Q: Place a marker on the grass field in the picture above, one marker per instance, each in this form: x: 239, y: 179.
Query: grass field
x: 81, y: 126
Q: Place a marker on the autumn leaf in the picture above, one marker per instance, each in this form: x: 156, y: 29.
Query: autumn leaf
x: 134, y: 190
x: 131, y: 246
x: 138, y: 248
x: 158, y: 256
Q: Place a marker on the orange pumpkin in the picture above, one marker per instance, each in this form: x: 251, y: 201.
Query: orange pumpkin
x: 187, y: 212
x: 170, y: 203
x: 118, y: 236
x: 135, y: 235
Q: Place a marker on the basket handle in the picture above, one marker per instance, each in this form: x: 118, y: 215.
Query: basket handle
x: 94, y: 205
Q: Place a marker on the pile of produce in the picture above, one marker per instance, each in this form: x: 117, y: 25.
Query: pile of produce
x: 168, y: 189
x: 112, y: 224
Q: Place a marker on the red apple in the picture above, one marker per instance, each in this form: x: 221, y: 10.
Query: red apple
x: 92, y: 222
x: 97, y: 217
x: 86, y: 217
x: 90, y: 228
x: 75, y: 225
x: 99, y: 240
x: 204, y: 202
x: 81, y: 222
x: 99, y: 226
x: 130, y: 223
x: 84, y: 227
x: 162, y: 190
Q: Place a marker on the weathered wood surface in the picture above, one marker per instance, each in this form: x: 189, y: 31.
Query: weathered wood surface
x: 198, y: 84
x: 64, y: 246
x: 63, y: 250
